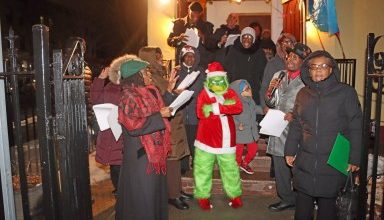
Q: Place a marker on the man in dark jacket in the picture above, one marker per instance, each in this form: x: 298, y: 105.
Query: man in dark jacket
x: 283, y: 99
x: 286, y: 40
x: 323, y: 109
x: 246, y: 61
x: 189, y: 62
x: 205, y: 31
x: 221, y: 34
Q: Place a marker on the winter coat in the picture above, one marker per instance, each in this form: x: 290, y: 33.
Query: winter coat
x: 322, y: 110
x: 248, y: 64
x: 216, y: 134
x: 250, y: 132
x: 179, y: 141
x: 274, y: 65
x: 189, y: 108
x: 108, y: 150
x: 283, y: 100
x: 180, y: 26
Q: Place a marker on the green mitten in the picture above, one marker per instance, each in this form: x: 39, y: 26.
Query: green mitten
x: 229, y: 102
x: 207, y: 109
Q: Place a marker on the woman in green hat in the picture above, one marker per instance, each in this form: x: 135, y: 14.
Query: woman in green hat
x: 142, y: 190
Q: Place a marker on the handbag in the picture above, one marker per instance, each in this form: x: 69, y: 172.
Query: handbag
x: 347, y: 200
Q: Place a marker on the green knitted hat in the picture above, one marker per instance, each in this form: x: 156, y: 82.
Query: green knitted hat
x: 131, y: 67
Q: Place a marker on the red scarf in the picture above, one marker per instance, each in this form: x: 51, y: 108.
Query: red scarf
x: 136, y: 104
x: 293, y: 75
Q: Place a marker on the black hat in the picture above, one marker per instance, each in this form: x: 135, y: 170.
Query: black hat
x: 196, y: 7
x: 300, y: 50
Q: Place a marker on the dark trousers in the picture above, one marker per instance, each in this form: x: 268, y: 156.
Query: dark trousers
x: 283, y: 178
x: 191, y: 137
x: 173, y: 179
x: 305, y: 206
x: 115, y: 173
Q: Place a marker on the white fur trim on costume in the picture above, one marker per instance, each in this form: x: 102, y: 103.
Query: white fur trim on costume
x: 216, y: 108
x: 208, y: 149
x: 216, y: 73
x: 218, y: 98
x: 226, y: 131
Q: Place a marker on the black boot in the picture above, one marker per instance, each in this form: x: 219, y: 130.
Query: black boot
x: 185, y: 196
x: 178, y: 203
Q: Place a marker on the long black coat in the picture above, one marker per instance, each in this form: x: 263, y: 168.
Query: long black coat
x: 141, y: 195
x: 321, y: 111
x: 248, y: 64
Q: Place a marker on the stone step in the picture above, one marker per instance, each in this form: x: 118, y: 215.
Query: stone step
x: 258, y: 164
x: 259, y: 183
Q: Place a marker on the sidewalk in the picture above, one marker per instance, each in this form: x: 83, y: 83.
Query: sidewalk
x: 255, y: 208
x: 255, y: 205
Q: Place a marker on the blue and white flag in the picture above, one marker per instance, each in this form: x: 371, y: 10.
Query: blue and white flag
x: 323, y: 15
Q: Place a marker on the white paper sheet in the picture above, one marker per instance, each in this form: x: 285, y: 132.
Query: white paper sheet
x: 273, y: 123
x: 188, y: 80
x: 231, y: 39
x: 181, y: 100
x: 106, y: 116
x: 192, y: 38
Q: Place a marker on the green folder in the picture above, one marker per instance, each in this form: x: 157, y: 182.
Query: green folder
x: 339, y: 157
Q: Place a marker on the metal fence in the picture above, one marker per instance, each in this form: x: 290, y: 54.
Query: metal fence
x: 21, y: 123
x: 47, y: 129
x: 374, y: 74
x: 348, y: 70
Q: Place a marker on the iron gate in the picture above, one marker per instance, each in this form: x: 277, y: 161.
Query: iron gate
x: 374, y: 73
x: 71, y: 119
x: 62, y: 136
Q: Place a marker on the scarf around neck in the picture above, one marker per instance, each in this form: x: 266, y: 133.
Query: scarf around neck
x: 136, y: 104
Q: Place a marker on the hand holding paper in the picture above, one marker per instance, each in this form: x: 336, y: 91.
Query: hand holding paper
x: 183, y: 98
x: 192, y: 38
x: 231, y: 39
x: 106, y: 116
x: 188, y: 80
x: 273, y: 123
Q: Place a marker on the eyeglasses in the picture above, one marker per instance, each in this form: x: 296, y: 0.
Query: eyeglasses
x: 314, y: 67
x: 247, y: 36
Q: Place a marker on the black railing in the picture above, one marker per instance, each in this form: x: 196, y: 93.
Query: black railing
x: 348, y: 71
x: 374, y: 74
x: 72, y: 138
x: 48, y: 134
x: 14, y: 111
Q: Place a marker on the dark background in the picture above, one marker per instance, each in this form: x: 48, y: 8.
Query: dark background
x: 109, y: 27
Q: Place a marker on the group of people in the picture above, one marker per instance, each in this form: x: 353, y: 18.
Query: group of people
x: 236, y: 86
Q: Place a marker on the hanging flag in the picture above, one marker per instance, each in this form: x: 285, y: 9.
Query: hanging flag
x: 323, y: 15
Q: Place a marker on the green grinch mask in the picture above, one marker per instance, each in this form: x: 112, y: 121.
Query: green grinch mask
x: 217, y: 84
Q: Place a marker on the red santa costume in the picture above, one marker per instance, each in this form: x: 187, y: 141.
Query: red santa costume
x: 216, y: 140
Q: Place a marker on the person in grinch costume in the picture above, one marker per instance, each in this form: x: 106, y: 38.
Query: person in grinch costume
x: 216, y: 138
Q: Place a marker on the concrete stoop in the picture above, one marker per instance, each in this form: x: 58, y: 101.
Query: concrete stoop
x: 259, y: 183
x: 250, y: 187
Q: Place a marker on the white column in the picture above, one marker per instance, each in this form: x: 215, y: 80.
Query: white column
x: 277, y: 19
x: 5, y: 164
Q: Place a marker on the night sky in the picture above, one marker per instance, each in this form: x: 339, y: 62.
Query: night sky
x: 110, y: 27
